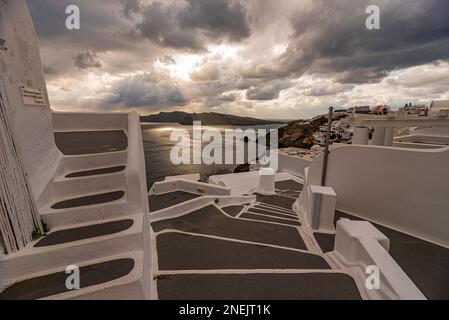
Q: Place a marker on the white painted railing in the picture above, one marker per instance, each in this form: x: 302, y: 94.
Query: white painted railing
x: 359, y: 243
x: 137, y: 193
x: 189, y: 186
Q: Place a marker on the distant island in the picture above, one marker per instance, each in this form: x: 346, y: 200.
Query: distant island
x: 208, y: 119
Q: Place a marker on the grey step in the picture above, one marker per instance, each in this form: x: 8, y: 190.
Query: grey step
x: 289, y: 185
x: 86, y: 232
x: 211, y: 221
x: 85, y: 215
x: 163, y: 201
x: 55, y: 283
x: 38, y: 260
x: 267, y: 286
x: 273, y: 213
x: 91, y: 142
x: 189, y: 252
x: 276, y: 200
x: 258, y: 217
x: 89, y: 200
x: 96, y: 172
x: 325, y: 241
x: 275, y: 209
x: 233, y: 211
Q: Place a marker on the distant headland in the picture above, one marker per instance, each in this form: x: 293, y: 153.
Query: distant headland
x: 210, y: 118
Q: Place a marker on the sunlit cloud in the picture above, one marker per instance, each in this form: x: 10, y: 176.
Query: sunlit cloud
x: 270, y: 59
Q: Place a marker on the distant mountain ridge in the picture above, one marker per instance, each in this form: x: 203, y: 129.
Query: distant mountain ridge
x: 210, y: 118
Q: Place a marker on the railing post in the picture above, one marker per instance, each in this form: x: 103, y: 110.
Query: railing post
x: 326, y: 150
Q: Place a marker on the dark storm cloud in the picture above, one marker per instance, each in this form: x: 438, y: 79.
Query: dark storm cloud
x: 131, y: 7
x: 161, y: 26
x: 103, y: 28
x: 275, y: 43
x: 148, y: 90
x: 86, y: 60
x: 331, y: 37
x: 99, y: 21
x: 268, y: 91
x: 217, y: 18
x: 193, y: 24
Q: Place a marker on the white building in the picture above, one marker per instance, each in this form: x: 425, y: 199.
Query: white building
x: 439, y: 108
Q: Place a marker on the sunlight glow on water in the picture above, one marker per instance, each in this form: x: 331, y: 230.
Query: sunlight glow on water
x: 157, y: 147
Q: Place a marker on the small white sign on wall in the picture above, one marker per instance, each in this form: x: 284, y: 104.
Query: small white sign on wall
x: 33, y: 96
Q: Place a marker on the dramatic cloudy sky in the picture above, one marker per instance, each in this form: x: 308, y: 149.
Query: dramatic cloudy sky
x: 275, y: 59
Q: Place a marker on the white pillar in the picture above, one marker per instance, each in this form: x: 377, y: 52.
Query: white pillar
x: 321, y: 214
x: 267, y: 180
x: 378, y: 136
x: 361, y: 136
x: 389, y: 135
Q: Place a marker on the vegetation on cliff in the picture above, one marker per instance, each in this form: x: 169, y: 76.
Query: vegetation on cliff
x: 299, y: 134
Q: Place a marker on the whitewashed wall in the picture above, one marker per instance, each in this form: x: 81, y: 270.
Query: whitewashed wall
x: 293, y: 165
x: 406, y: 189
x: 20, y: 65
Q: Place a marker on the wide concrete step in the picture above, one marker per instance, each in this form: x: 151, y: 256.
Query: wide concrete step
x: 258, y: 286
x: 273, y: 213
x: 233, y: 211
x: 269, y: 219
x: 275, y: 210
x: 91, y: 142
x: 289, y: 185
x: 80, y: 243
x: 85, y: 232
x: 78, y: 187
x: 95, y: 172
x: 212, y: 221
x: 276, y: 200
x: 166, y: 200
x: 78, y: 163
x: 90, y: 200
x: 116, y: 277
x: 179, y: 251
x: 87, y: 214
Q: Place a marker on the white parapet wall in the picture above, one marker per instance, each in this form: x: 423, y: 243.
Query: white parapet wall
x: 293, y: 165
x: 359, y: 244
x: 435, y: 136
x: 404, y: 189
x: 89, y: 121
x: 188, y: 186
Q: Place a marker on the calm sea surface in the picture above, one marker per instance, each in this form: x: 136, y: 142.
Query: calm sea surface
x: 157, y: 147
